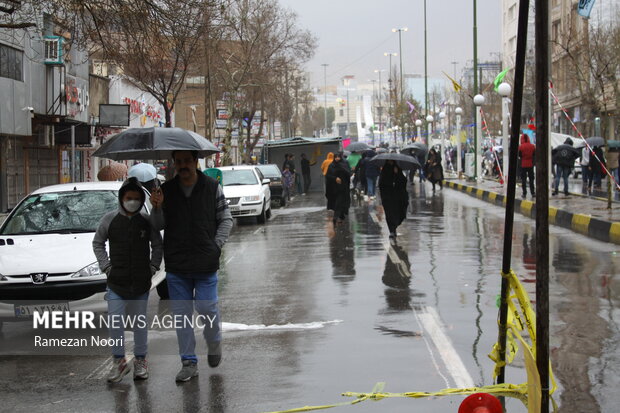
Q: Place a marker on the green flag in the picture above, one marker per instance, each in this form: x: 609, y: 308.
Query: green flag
x: 500, y: 77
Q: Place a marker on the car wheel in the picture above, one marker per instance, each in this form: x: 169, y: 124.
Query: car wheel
x: 162, y: 290
x: 282, y: 201
x: 268, y: 213
x: 263, y: 215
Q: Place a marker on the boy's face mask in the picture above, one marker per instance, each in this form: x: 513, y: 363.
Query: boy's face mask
x: 131, y: 205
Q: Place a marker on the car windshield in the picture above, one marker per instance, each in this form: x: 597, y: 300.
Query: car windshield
x: 239, y: 177
x: 60, y: 212
x: 270, y: 171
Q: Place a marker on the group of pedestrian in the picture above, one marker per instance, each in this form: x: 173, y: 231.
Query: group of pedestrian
x: 292, y: 181
x: 392, y: 186
x: 192, y: 211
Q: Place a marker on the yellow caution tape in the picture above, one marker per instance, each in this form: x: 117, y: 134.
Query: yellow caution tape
x: 520, y: 318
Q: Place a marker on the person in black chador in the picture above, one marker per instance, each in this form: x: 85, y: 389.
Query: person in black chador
x: 394, y: 196
x: 338, y: 179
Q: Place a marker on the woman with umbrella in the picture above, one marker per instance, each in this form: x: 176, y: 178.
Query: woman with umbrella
x: 338, y: 179
x: 394, y: 197
x: 433, y: 169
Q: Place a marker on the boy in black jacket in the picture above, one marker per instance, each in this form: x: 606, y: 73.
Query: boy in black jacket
x: 135, y: 255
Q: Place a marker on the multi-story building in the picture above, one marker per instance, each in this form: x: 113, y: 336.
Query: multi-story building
x: 574, y: 85
x: 45, y: 90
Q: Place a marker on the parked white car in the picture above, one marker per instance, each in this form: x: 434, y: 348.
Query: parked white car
x: 247, y: 192
x: 46, y: 254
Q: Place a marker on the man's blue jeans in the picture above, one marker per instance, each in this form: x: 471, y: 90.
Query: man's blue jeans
x: 370, y: 184
x: 561, y: 171
x: 118, y: 308
x: 199, y: 291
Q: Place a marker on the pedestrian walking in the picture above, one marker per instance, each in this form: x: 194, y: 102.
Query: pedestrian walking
x: 597, y: 166
x: 135, y: 256
x: 564, y: 160
x: 305, y: 171
x: 372, y: 172
x: 338, y: 180
x: 612, y: 164
x: 433, y: 169
x: 192, y: 210
x: 586, y: 172
x: 324, y: 167
x: 287, y: 183
x: 394, y: 196
x: 527, y: 153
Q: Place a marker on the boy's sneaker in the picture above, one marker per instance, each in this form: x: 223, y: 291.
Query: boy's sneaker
x: 119, y: 369
x: 140, y: 369
x: 189, y: 370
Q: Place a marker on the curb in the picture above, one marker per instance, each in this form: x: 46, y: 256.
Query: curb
x: 583, y: 224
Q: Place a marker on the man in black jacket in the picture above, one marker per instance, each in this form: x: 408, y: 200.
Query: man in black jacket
x: 305, y: 171
x: 192, y: 210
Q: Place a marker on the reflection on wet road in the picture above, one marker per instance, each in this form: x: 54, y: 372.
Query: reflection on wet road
x: 419, y: 315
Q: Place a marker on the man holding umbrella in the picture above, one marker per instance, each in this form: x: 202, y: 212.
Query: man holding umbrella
x: 192, y: 210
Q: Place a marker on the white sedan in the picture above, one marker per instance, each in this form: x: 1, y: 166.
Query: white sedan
x: 46, y: 254
x: 247, y: 192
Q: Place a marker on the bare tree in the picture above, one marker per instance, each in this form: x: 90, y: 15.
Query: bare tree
x: 153, y: 42
x: 261, y: 42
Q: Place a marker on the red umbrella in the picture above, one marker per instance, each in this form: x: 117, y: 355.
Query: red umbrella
x: 113, y: 172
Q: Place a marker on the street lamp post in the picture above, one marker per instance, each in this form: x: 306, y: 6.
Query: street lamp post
x: 390, y: 82
x: 442, y: 116
x: 325, y: 94
x: 406, y: 129
x: 429, y: 128
x: 418, y: 124
x: 504, y: 90
x: 400, y: 51
x: 478, y: 101
x: 425, y: 71
x: 459, y: 164
x: 380, y: 107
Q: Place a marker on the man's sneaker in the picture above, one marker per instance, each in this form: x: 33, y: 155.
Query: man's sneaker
x: 215, y: 354
x: 188, y: 371
x: 119, y: 369
x: 140, y: 369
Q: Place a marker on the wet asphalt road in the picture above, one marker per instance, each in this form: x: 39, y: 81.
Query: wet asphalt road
x: 420, y: 316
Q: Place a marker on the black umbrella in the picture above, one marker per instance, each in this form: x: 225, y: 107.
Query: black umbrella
x: 565, y: 152
x: 357, y: 147
x: 416, y: 148
x: 404, y: 161
x: 595, y: 141
x: 154, y: 143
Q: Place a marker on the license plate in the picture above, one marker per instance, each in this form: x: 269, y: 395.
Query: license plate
x: 29, y: 310
x: 234, y: 208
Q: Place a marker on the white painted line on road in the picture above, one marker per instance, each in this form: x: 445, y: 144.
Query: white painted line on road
x: 258, y: 230
x: 429, y: 319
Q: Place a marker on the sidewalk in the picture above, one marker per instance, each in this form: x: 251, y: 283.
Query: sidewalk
x: 586, y: 215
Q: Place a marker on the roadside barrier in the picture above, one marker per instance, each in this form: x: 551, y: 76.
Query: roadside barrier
x: 521, y: 321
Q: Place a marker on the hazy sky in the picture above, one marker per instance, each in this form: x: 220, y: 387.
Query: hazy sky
x: 354, y: 34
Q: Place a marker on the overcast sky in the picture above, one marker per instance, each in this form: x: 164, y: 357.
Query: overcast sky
x: 354, y: 34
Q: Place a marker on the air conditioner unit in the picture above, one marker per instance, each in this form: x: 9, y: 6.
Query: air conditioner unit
x: 53, y: 50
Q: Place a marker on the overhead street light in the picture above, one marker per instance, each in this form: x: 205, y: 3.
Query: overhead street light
x: 504, y: 89
x: 400, y: 50
x: 478, y: 101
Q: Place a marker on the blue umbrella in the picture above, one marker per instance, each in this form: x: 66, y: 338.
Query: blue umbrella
x: 143, y: 172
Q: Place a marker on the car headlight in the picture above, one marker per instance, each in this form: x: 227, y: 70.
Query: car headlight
x: 252, y: 198
x: 91, y: 270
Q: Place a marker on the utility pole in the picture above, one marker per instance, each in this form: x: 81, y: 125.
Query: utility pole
x: 325, y: 93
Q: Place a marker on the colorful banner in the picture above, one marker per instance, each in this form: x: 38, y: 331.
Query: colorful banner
x: 585, y: 7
